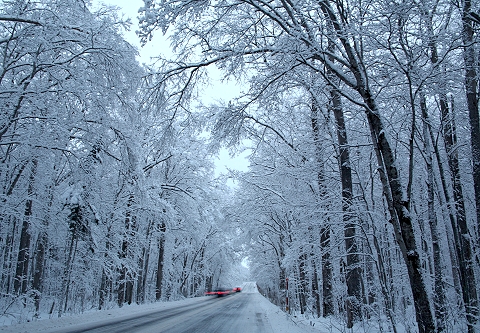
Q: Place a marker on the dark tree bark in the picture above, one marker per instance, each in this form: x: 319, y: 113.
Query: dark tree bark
x: 302, y: 276
x: 21, y: 273
x: 41, y: 247
x: 461, y: 233
x: 401, y: 218
x: 39, y: 267
x: 106, y: 281
x: 8, y: 256
x: 354, y: 278
x: 125, y: 287
x: 20, y: 284
x: 103, y: 290
x: 75, y: 226
x: 161, y: 258
x: 143, y: 267
x: 471, y: 84
x: 327, y: 273
x: 315, y: 290
x: 440, y: 309
x: 463, y: 246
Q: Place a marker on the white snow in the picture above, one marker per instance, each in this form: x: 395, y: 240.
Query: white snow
x: 79, y: 321
x: 280, y: 321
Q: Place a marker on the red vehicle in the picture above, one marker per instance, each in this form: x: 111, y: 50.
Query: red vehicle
x: 237, y: 289
x: 218, y: 292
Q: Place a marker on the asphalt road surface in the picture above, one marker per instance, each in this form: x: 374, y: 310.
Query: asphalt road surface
x: 230, y: 314
x: 247, y: 311
x: 236, y: 313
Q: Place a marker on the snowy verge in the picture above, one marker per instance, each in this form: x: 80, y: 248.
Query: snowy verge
x: 95, y: 316
x: 279, y: 320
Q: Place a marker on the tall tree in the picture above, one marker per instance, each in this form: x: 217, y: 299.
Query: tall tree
x: 295, y: 36
x: 470, y: 56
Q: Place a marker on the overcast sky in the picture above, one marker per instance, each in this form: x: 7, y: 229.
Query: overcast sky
x: 160, y: 46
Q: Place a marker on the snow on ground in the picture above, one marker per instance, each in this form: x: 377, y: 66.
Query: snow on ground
x: 56, y: 324
x: 290, y: 323
x: 283, y: 322
x: 280, y: 321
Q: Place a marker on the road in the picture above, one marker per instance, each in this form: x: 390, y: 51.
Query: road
x: 247, y: 311
x: 231, y: 314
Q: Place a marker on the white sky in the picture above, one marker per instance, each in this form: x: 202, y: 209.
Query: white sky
x: 161, y: 46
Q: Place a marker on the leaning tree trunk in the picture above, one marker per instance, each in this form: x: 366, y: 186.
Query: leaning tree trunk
x: 471, y: 83
x: 454, y: 245
x: 401, y: 217
x: 402, y: 223
x: 461, y: 235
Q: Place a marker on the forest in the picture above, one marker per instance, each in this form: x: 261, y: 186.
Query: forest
x: 361, y: 118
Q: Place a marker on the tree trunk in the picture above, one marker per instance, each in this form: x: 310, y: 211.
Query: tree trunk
x: 394, y: 192
x: 103, y: 290
x: 440, y: 309
x: 161, y: 258
x: 463, y: 246
x: 302, y: 285
x: 143, y: 267
x: 453, y: 244
x: 39, y: 267
x: 354, y: 279
x: 8, y: 256
x: 471, y: 84
x: 125, y: 288
x: 21, y: 274
x: 41, y: 247
x: 106, y: 282
x: 123, y: 277
x: 327, y: 274
x: 461, y: 232
x: 315, y: 290
x: 75, y: 218
x: 402, y: 222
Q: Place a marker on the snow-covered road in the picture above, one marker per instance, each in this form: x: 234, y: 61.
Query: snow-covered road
x: 247, y: 311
